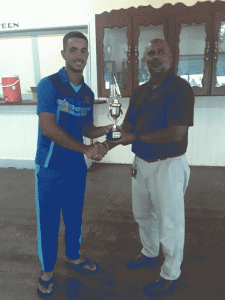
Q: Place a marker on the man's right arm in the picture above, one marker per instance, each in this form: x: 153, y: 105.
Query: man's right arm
x: 54, y: 132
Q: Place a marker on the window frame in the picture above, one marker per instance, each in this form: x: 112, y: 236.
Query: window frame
x: 219, y: 17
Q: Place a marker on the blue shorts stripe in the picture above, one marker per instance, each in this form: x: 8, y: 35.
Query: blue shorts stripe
x: 40, y: 253
x: 49, y: 154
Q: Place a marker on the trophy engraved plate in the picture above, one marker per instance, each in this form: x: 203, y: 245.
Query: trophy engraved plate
x: 115, y: 112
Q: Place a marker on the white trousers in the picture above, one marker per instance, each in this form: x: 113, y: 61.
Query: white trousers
x: 158, y: 207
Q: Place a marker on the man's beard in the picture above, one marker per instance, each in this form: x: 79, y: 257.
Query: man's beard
x: 159, y: 72
x: 76, y: 70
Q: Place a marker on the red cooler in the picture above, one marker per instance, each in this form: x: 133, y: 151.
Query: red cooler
x: 11, y: 89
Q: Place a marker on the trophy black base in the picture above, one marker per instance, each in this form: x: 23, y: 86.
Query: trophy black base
x: 113, y: 136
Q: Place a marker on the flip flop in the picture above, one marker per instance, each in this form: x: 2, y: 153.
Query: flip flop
x: 46, y: 284
x: 80, y: 267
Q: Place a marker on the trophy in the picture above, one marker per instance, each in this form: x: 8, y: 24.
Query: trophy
x: 115, y: 112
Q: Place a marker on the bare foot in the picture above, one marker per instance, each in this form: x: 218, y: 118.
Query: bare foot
x: 46, y: 276
x: 91, y: 267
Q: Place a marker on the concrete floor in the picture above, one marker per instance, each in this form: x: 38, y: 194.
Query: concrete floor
x: 110, y: 237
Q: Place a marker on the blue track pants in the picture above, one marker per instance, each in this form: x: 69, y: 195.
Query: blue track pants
x: 56, y: 190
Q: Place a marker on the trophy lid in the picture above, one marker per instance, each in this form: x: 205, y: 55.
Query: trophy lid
x: 115, y: 102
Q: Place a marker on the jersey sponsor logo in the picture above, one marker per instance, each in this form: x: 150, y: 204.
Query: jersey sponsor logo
x: 64, y: 105
x: 71, y: 109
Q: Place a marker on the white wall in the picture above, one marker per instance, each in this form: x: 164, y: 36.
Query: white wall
x: 18, y: 136
x: 44, y: 14
x: 207, y: 137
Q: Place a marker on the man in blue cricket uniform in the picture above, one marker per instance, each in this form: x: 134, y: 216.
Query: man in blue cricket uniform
x: 156, y: 124
x: 65, y: 111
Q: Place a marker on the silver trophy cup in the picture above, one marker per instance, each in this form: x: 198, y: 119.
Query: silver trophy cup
x: 115, y: 112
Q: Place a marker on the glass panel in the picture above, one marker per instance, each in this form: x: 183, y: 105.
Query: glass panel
x: 146, y: 35
x: 220, y: 72
x: 17, y: 59
x: 115, y: 60
x: 50, y: 57
x: 192, y: 47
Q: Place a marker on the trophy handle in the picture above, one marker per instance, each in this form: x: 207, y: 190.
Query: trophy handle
x: 121, y: 114
x: 110, y: 115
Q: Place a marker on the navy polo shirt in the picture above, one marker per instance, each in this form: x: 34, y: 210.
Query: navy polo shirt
x: 73, y: 107
x: 172, y: 103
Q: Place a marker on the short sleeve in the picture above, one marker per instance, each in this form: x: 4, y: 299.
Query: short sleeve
x: 46, y: 93
x: 180, y: 105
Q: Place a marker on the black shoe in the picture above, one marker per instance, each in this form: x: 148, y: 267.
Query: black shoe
x: 143, y: 261
x: 161, y: 286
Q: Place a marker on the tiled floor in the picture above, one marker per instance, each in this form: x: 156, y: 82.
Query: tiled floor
x: 110, y: 237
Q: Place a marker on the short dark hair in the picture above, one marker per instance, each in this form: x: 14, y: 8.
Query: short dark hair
x: 73, y: 34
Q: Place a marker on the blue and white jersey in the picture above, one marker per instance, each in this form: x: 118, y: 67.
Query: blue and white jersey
x: 73, y: 107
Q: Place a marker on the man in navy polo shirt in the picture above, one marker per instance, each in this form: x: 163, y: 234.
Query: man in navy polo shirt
x: 65, y: 111
x: 156, y: 124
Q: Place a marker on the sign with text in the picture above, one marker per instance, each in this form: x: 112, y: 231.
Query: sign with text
x: 9, y: 25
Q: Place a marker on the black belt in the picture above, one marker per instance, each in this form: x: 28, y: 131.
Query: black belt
x: 158, y: 159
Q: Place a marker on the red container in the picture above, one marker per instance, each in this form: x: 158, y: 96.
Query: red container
x: 11, y: 89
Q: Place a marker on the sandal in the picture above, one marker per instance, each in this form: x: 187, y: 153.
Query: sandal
x: 46, y: 284
x: 80, y: 267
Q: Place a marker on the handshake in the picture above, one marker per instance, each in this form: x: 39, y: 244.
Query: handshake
x: 97, y: 151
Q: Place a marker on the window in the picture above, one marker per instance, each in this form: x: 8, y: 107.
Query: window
x: 192, y: 47
x: 32, y: 55
x: 17, y: 60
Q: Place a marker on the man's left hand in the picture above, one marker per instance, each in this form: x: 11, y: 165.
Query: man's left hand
x: 126, y: 137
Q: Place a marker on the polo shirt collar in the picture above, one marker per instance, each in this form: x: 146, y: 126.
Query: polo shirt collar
x: 164, y: 80
x: 64, y: 77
